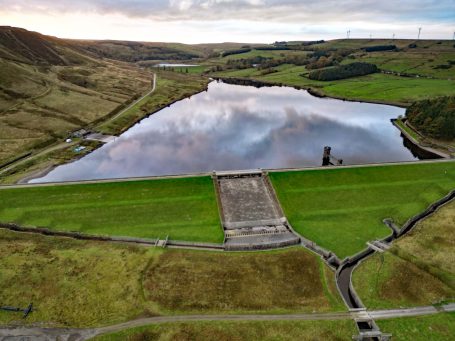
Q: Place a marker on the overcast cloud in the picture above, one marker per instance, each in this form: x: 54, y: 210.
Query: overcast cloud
x: 254, y: 19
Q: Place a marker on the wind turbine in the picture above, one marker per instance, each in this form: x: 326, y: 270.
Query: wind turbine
x: 418, y: 37
x: 348, y: 34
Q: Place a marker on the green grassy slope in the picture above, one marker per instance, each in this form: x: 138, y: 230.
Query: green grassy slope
x: 343, y: 208
x: 440, y: 327
x: 184, y: 209
x: 380, y: 88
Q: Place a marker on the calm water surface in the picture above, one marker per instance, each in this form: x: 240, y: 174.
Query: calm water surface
x: 242, y: 127
x: 174, y: 65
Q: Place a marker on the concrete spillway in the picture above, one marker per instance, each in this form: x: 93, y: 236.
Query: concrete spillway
x: 251, y: 215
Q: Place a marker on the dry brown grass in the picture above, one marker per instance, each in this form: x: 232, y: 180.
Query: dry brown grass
x: 83, y: 283
x: 71, y: 283
x: 239, y: 331
x: 290, y: 280
x: 51, y: 101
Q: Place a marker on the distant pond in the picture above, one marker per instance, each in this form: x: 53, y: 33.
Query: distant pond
x: 243, y: 127
x: 174, y: 65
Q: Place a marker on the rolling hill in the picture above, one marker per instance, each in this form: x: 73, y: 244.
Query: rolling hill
x: 50, y: 87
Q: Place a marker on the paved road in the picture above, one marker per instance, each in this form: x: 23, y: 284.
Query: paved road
x: 418, y: 311
x: 84, y: 334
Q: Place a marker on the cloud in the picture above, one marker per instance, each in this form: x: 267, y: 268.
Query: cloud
x: 256, y: 10
x: 203, y: 21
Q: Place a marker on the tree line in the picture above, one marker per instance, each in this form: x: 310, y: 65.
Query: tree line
x: 343, y: 71
x: 434, y: 118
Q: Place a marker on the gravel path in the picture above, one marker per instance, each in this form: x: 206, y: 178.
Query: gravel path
x: 45, y: 334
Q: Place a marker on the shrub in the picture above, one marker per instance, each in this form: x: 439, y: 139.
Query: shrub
x: 379, y: 48
x: 232, y: 52
x: 313, y: 42
x: 272, y: 48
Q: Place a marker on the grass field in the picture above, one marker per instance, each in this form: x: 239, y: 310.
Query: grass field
x: 263, y: 53
x: 381, y: 88
x: 343, y: 208
x: 238, y: 331
x: 418, y: 270
x: 199, y: 69
x: 184, y: 209
x: 440, y: 327
x: 84, y: 283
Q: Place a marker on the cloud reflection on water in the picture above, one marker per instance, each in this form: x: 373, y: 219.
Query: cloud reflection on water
x: 235, y: 127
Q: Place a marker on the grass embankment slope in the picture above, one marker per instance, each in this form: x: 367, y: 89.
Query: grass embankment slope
x: 83, y: 283
x: 418, y: 270
x: 428, y: 59
x: 248, y: 331
x: 440, y: 327
x: 184, y: 209
x: 342, y: 208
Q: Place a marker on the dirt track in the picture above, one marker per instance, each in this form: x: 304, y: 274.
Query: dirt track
x: 44, y: 334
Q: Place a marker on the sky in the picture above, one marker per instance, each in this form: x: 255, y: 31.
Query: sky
x: 253, y: 21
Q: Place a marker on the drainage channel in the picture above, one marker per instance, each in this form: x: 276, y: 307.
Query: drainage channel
x: 368, y: 327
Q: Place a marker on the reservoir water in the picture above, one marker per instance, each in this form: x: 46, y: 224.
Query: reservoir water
x: 232, y: 127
